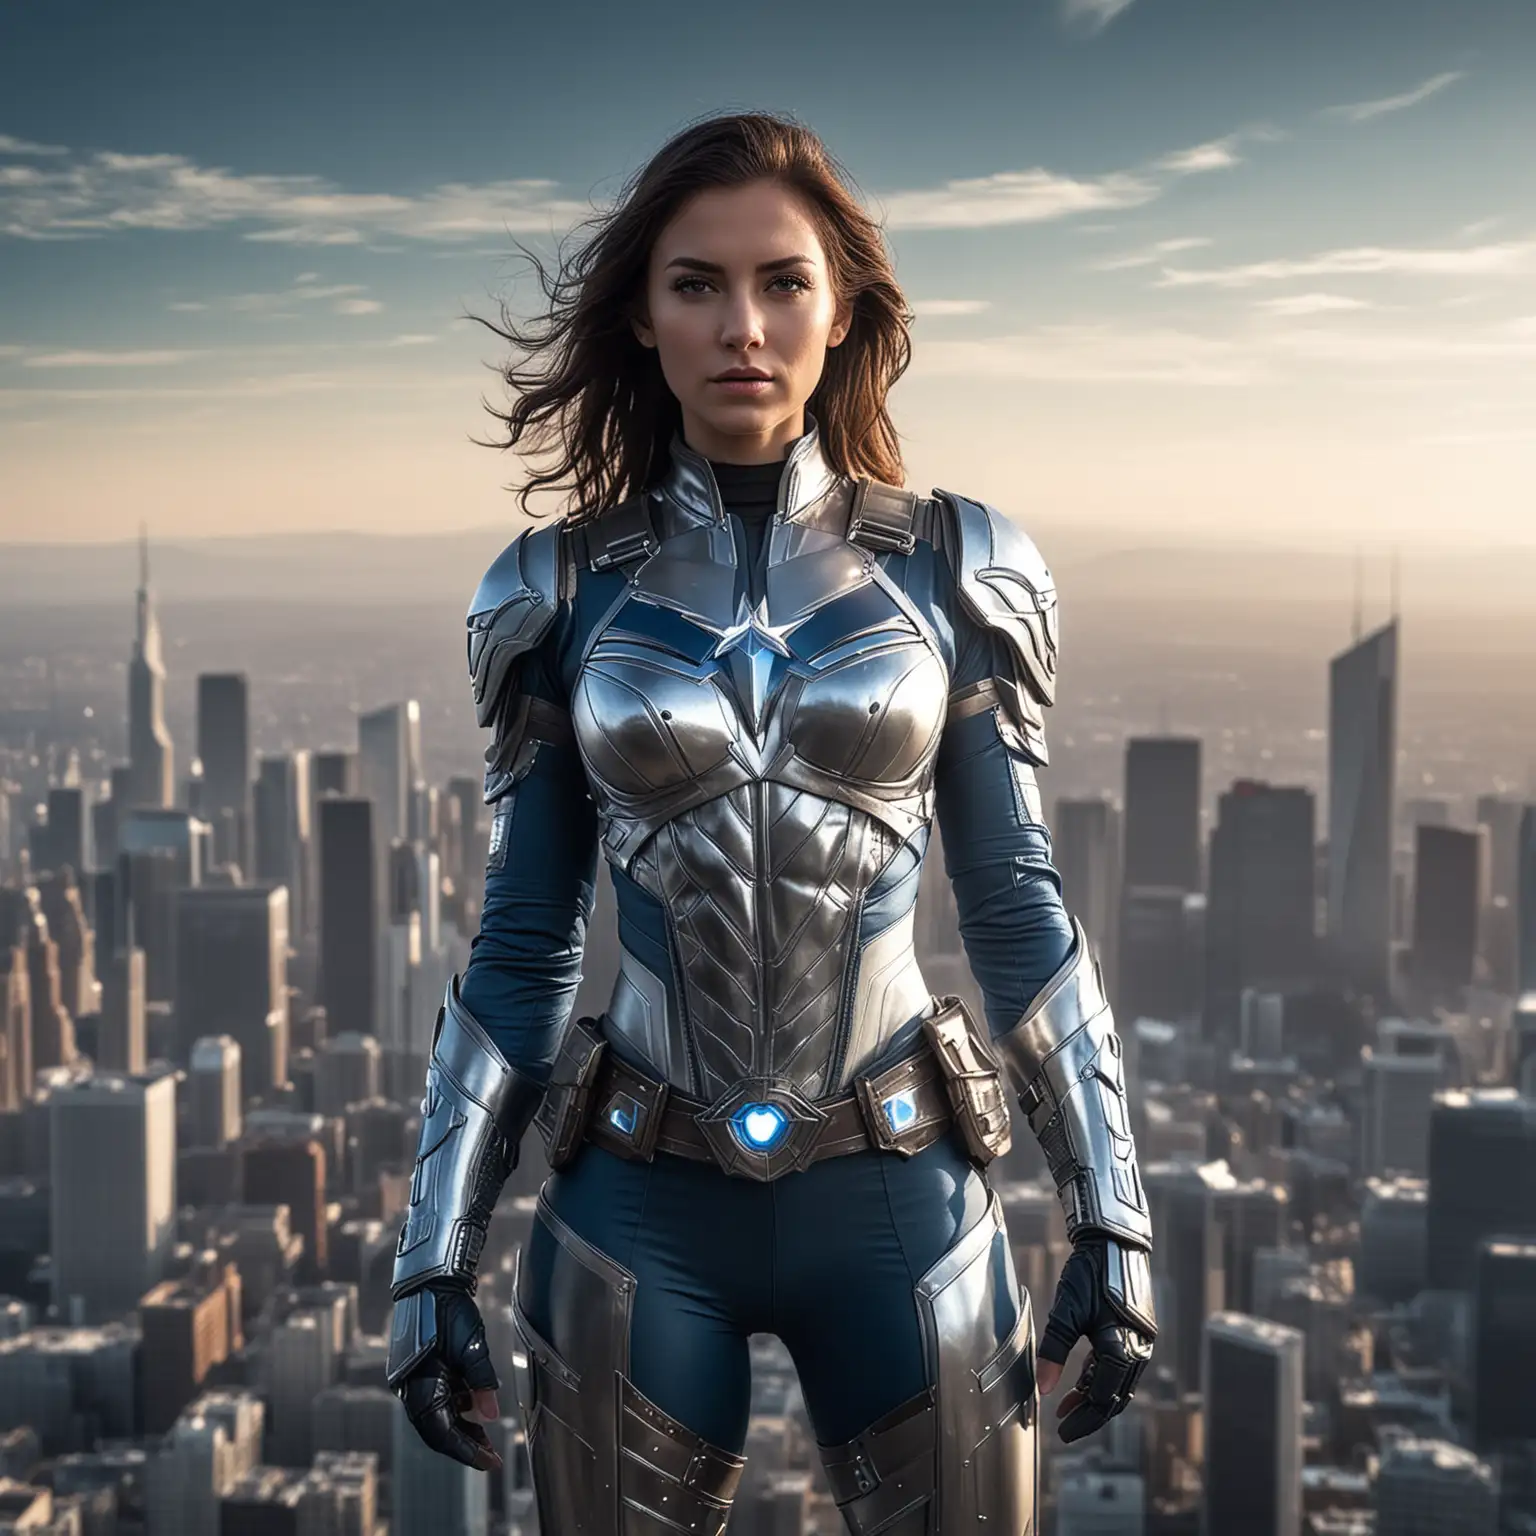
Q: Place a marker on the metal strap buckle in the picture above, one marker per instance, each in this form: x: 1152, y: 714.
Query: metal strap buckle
x: 624, y: 544
x: 882, y: 517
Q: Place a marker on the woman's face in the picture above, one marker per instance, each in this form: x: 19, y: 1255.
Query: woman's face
x: 738, y: 281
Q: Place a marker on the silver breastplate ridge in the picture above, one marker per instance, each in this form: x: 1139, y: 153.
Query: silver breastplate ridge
x: 756, y: 767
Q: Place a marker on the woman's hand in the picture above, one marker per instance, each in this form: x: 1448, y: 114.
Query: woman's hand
x: 1104, y: 1295
x: 452, y: 1391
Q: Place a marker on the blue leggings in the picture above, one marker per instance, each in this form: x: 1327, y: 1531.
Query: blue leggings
x: 826, y: 1259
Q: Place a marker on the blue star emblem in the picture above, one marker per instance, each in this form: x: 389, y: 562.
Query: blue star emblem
x: 750, y: 648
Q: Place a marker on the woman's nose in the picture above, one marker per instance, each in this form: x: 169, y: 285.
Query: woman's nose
x: 743, y: 327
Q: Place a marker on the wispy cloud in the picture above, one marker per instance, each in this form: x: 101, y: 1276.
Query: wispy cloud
x: 1310, y: 304
x: 107, y: 193
x: 950, y: 306
x: 1014, y: 197
x: 1509, y: 258
x: 1398, y: 348
x: 1093, y: 15
x: 1364, y: 111
x: 1153, y: 253
x: 94, y: 196
x: 1095, y: 354
x: 346, y: 299
x: 269, y: 387
x: 141, y: 358
x: 1039, y: 195
x: 1217, y: 155
x: 10, y: 145
x: 412, y: 339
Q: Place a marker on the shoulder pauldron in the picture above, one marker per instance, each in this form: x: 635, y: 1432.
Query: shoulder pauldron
x: 1005, y: 585
x: 510, y: 613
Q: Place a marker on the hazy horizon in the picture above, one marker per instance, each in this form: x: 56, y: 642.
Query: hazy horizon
x: 1217, y: 271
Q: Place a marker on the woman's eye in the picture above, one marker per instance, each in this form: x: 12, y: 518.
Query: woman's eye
x: 797, y: 283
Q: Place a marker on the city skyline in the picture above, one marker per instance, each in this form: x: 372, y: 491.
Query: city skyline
x: 1292, y: 1137
x: 1204, y: 272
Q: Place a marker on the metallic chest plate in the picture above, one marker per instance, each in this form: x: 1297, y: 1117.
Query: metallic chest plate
x: 754, y: 768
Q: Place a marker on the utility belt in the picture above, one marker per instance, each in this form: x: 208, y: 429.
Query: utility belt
x: 765, y: 1127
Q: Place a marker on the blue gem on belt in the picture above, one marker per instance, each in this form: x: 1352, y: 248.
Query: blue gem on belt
x: 759, y: 1127
x: 900, y: 1109
x: 623, y: 1114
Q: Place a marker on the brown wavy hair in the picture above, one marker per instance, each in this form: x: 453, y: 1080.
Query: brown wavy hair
x: 592, y: 400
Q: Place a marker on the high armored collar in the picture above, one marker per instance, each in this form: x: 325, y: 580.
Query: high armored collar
x: 805, y: 478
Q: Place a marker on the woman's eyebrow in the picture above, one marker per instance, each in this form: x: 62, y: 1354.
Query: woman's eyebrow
x: 695, y: 264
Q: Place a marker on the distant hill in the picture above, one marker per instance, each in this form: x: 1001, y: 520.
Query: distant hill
x: 1093, y: 565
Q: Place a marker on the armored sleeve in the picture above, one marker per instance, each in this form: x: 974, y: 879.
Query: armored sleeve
x: 1050, y: 1021
x: 541, y: 869
x: 495, y: 1033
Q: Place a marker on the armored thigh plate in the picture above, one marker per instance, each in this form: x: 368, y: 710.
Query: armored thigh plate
x: 962, y: 1456
x: 606, y: 1461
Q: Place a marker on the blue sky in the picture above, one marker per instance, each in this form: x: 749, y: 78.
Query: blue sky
x: 1258, y: 269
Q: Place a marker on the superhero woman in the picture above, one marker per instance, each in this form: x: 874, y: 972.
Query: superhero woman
x: 749, y: 670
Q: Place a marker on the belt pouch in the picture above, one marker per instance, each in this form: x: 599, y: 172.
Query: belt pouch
x: 562, y: 1116
x: 629, y: 1117
x: 973, y: 1078
x: 898, y: 1114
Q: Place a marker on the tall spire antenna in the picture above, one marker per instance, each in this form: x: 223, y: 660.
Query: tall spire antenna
x: 1359, y: 590
x: 1395, y: 573
x: 143, y: 555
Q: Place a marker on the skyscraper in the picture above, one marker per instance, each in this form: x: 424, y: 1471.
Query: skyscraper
x: 384, y: 738
x: 433, y: 1492
x: 15, y: 1015
x: 349, y: 914
x: 1435, y: 1488
x: 1449, y: 893
x: 1482, y: 1178
x: 1398, y: 1102
x: 122, y: 1039
x: 69, y: 840
x: 224, y: 746
x: 1162, y: 812
x: 1259, y: 919
x: 1160, y: 868
x: 113, y: 1191
x: 232, y: 976
x: 1362, y: 759
x: 1188, y: 1262
x: 1525, y: 903
x: 282, y: 847
x: 1253, y: 1393
x: 335, y: 773
x: 215, y: 1095
x: 1086, y: 838
x: 1504, y: 1342
x: 151, y: 760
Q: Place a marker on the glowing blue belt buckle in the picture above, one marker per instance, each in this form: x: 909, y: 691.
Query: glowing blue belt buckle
x: 761, y: 1128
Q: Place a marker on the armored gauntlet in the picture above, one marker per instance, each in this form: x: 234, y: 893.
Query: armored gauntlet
x: 475, y: 1111
x: 1064, y: 1059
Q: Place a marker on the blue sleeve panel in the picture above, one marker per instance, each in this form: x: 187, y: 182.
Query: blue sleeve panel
x: 997, y: 850
x: 525, y: 963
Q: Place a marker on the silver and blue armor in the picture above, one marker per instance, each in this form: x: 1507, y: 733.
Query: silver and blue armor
x: 760, y: 743
x: 475, y: 1112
